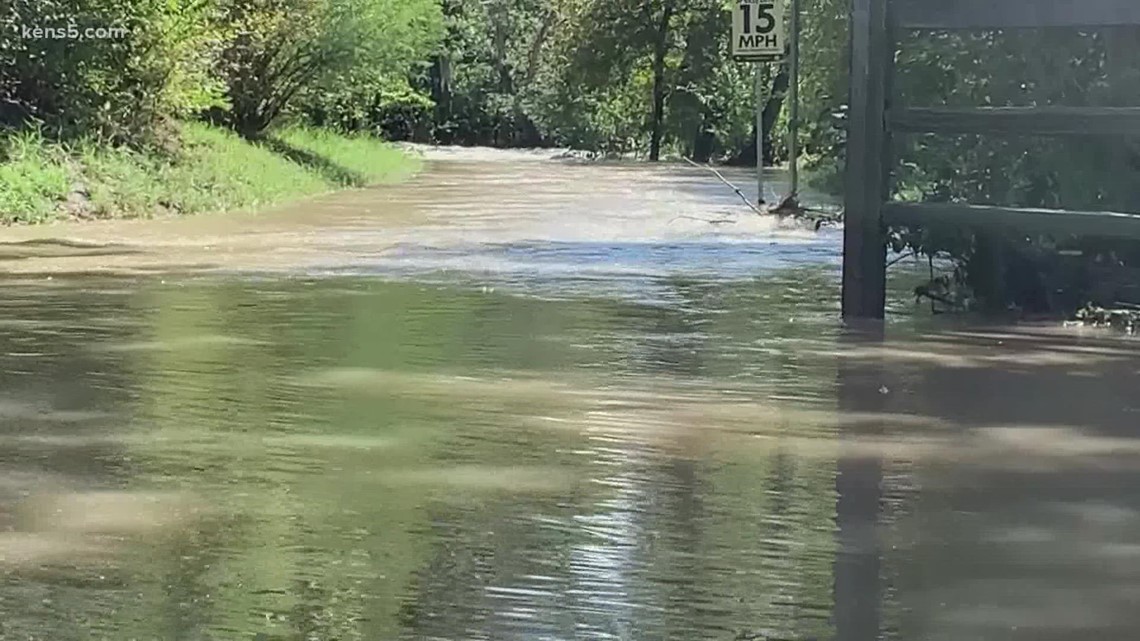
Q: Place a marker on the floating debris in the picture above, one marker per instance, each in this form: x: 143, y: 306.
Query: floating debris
x: 1125, y: 319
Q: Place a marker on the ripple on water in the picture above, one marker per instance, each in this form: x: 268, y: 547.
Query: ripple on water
x: 648, y: 430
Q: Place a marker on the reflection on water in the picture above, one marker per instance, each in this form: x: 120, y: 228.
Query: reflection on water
x: 351, y: 459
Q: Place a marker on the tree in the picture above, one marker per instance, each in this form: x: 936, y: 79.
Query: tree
x: 483, y: 76
x: 618, y: 39
x: 277, y: 49
x: 711, y: 107
x: 661, y: 14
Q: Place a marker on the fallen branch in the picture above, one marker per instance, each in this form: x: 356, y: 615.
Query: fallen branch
x: 1126, y: 319
x: 902, y: 258
x: 922, y: 291
x: 724, y: 180
x: 788, y: 206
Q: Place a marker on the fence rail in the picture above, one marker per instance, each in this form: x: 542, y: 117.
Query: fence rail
x: 1013, y: 14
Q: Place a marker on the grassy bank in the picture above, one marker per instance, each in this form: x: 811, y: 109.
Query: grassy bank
x: 210, y: 170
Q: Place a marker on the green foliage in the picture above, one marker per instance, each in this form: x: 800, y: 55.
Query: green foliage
x: 601, y: 78
x: 610, y: 75
x: 118, y: 70
x: 334, y: 51
x: 32, y: 179
x: 376, y: 95
x: 712, y: 107
x: 106, y: 82
x: 485, y: 71
x: 823, y: 87
x: 121, y: 181
x: 389, y: 107
x: 587, y: 74
x: 1025, y: 271
x: 113, y: 69
x: 360, y: 159
x: 1024, y: 68
x: 214, y: 170
x: 219, y: 171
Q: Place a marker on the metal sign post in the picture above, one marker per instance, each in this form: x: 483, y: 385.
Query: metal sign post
x: 758, y: 35
x: 759, y: 134
x: 794, y: 99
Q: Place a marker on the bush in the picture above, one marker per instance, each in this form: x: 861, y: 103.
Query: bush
x: 156, y: 64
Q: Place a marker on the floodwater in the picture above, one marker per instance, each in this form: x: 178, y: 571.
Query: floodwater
x: 523, y: 399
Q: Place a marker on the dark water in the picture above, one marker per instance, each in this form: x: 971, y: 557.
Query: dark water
x: 579, y: 440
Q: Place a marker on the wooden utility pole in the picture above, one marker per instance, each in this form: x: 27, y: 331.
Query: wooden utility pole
x: 864, y: 239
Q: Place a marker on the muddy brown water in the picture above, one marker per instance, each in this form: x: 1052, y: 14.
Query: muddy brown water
x: 522, y: 399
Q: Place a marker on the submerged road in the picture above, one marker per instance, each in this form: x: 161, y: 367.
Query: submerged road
x: 517, y: 398
x: 478, y: 209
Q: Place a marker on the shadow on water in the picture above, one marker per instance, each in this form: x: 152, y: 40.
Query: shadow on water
x: 346, y: 458
x: 330, y: 170
x: 1008, y: 525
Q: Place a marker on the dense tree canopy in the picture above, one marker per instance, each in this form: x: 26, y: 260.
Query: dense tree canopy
x: 153, y: 61
x: 627, y: 76
x: 119, y: 69
x: 338, y: 53
x: 616, y: 76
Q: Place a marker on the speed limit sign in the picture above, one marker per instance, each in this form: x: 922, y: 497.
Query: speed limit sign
x: 758, y: 30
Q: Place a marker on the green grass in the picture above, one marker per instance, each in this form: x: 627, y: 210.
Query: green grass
x: 214, y: 170
x: 361, y: 159
x: 33, y: 178
x: 220, y: 171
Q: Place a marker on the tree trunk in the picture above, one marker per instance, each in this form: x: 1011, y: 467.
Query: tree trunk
x: 500, y: 17
x: 772, y: 111
x: 746, y: 156
x: 704, y: 143
x: 661, y: 49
